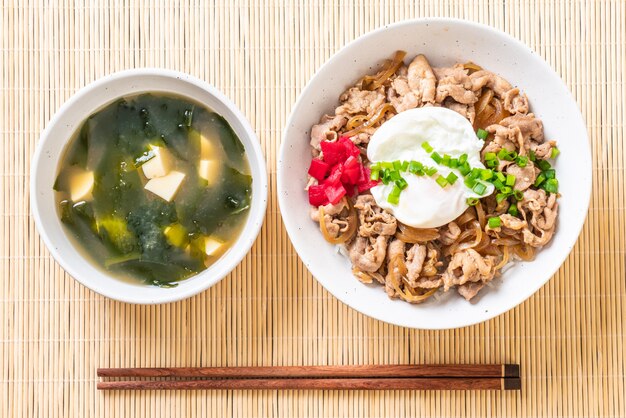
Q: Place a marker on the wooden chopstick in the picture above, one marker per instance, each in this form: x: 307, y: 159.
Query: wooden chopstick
x: 358, y: 377
x: 418, y: 383
x: 352, y: 371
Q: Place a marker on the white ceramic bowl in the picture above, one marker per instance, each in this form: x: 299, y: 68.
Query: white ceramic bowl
x: 69, y: 118
x: 444, y: 42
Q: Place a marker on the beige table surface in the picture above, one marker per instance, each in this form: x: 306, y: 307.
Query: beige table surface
x: 54, y: 333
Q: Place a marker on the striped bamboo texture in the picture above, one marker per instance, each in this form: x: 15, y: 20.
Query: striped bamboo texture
x: 54, y: 333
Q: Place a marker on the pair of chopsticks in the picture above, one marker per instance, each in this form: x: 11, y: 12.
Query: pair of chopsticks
x: 358, y: 377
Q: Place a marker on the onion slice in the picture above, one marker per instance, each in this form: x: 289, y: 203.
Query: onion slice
x: 362, y: 276
x: 471, y: 67
x: 348, y: 234
x: 505, y: 258
x: 371, y: 120
x: 524, y: 252
x: 413, y: 298
x: 373, y: 82
x: 412, y: 235
x: 356, y: 121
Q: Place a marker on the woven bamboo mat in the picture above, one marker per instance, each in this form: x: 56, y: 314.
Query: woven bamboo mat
x: 54, y: 333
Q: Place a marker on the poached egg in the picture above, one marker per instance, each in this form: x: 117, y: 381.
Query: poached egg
x: 424, y: 203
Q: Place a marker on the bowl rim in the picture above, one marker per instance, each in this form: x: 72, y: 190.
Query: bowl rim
x: 291, y: 226
x: 240, y: 247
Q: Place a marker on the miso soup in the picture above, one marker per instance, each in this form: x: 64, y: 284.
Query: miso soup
x: 154, y: 188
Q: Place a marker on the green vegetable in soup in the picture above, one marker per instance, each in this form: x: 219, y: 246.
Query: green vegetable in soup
x: 147, y: 222
x: 146, y: 156
x: 157, y: 215
x: 215, y: 206
x: 177, y: 235
x: 115, y: 230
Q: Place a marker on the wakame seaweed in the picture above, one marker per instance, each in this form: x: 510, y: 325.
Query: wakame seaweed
x: 121, y: 223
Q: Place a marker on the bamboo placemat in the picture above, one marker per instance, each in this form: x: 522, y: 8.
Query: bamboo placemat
x: 569, y: 337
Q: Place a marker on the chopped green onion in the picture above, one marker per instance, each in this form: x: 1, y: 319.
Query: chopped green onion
x: 499, y: 185
x: 519, y: 195
x: 454, y: 163
x: 375, y: 167
x: 469, y: 182
x: 405, y: 165
x: 144, y: 158
x: 463, y: 159
x: 490, y: 156
x: 188, y: 116
x: 500, y: 197
x: 393, y: 199
x: 436, y: 157
x: 479, y: 188
x: 397, y: 165
x: 430, y: 170
x: 475, y: 173
x: 510, y: 180
x: 464, y: 169
x: 385, y: 177
x: 492, y: 163
x: 427, y: 147
x: 375, y: 175
x: 532, y: 156
x: 452, y: 178
x: 486, y: 174
x: 441, y: 181
x: 555, y: 151
x: 507, y: 190
x: 416, y: 167
x: 500, y: 177
x: 394, y: 175
x: 472, y: 201
x: 544, y: 165
x: 494, y: 222
x: 513, y: 209
x: 521, y: 161
x: 390, y: 175
x: 552, y: 186
x: 402, y: 184
x: 386, y: 165
x: 540, y: 179
x: 394, y: 195
x: 482, y: 134
x: 503, y: 154
x: 550, y: 173
x: 446, y: 160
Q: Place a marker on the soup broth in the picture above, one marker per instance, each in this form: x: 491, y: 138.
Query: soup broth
x: 154, y: 188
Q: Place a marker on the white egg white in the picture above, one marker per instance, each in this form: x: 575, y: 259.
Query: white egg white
x: 425, y: 204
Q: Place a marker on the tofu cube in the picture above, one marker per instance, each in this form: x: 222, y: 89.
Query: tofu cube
x: 81, y: 185
x: 207, y: 148
x: 159, y: 165
x: 212, y: 246
x: 209, y: 170
x: 166, y: 186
